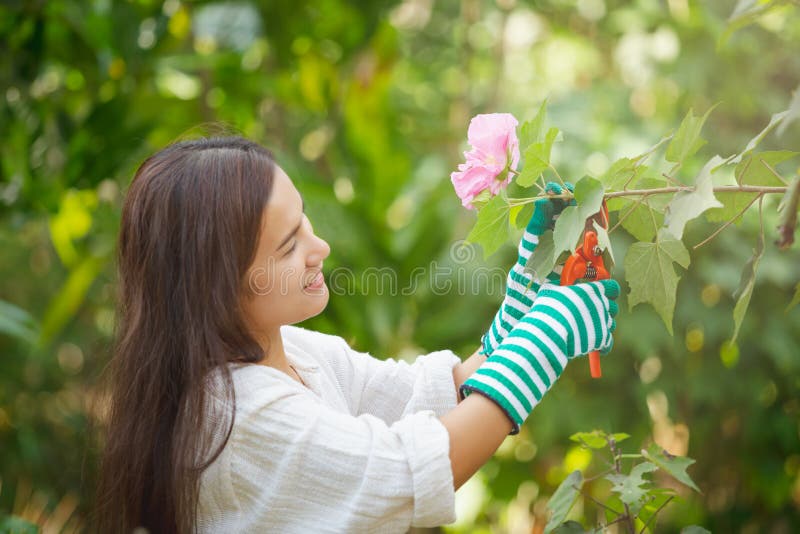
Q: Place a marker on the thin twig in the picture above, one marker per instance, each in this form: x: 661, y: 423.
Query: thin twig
x: 629, y: 212
x: 653, y: 217
x: 641, y: 158
x: 727, y: 223
x: 612, y: 444
x: 671, y: 180
x: 718, y: 189
x: 598, y: 503
x: 630, y: 178
x: 773, y: 171
x: 552, y: 168
x: 746, y: 164
x: 655, y: 514
x: 601, y: 475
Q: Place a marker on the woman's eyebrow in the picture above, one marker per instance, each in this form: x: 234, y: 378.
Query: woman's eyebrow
x: 296, y: 228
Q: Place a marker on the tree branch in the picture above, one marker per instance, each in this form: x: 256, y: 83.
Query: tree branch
x: 764, y: 190
x: 719, y: 189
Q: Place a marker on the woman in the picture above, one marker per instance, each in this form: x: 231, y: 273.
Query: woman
x: 225, y: 418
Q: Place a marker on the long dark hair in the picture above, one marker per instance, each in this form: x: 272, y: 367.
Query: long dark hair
x: 190, y: 225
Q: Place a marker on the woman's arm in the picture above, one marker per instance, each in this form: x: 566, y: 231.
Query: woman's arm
x: 477, y: 427
x: 464, y: 370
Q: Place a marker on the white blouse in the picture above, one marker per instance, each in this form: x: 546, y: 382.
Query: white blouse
x: 360, y: 449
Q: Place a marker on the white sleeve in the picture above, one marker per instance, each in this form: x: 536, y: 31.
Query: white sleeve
x: 298, y: 463
x: 391, y: 389
x: 388, y: 389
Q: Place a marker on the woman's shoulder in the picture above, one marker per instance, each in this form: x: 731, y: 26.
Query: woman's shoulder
x: 314, y: 348
x: 311, y: 338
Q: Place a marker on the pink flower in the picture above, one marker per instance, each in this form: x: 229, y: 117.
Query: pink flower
x: 495, y: 150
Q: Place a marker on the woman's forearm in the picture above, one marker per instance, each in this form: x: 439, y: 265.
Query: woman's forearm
x: 477, y: 427
x: 465, y: 369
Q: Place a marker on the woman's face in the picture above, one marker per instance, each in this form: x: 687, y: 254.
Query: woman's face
x: 285, y: 283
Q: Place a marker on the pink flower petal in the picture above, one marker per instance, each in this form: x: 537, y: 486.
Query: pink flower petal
x: 494, y: 148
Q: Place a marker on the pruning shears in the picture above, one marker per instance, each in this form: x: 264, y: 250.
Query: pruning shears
x: 586, y: 265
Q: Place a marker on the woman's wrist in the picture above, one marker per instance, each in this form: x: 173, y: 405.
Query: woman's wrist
x: 465, y: 369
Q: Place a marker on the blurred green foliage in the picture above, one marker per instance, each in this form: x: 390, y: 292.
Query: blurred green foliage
x: 366, y: 105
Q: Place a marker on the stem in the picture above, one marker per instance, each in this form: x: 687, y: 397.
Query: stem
x: 656, y: 513
x: 774, y: 172
x: 678, y: 189
x: 552, y: 168
x: 598, y: 503
x: 643, y: 157
x: 601, y: 475
x: 629, y: 522
x: 764, y: 190
x: 671, y: 180
x: 628, y: 181
x: 629, y: 212
x: 727, y: 223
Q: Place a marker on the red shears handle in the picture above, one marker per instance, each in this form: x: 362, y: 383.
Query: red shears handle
x: 586, y: 264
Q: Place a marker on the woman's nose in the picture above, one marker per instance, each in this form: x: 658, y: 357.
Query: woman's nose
x: 320, y: 251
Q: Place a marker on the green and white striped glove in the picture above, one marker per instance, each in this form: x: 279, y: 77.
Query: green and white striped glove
x: 520, y: 292
x: 564, y: 322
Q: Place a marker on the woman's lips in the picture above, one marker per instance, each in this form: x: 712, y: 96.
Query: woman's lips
x: 316, y: 282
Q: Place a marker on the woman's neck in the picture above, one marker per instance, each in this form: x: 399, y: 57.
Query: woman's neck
x: 275, y: 355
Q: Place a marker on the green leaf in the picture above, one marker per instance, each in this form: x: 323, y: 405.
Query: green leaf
x: 796, y: 299
x: 651, y: 275
x: 687, y: 205
x: 732, y: 205
x: 694, y: 529
x: 572, y: 221
x: 620, y: 436
x: 658, y: 498
x: 16, y: 525
x: 594, y: 440
x: 571, y: 527
x: 523, y: 215
x: 746, y: 285
x: 674, y: 465
x: 568, y: 229
x: 589, y: 195
x: 18, y: 323
x: 532, y: 131
x: 687, y: 139
x: 613, y: 507
x: 604, y: 242
x: 537, y: 159
x: 746, y: 12
x: 753, y: 170
x: 543, y: 259
x: 563, y: 499
x: 492, y: 227
x: 643, y: 222
x: 622, y: 172
x: 481, y: 199
x: 630, y: 487
x: 63, y: 306
x: 648, y: 215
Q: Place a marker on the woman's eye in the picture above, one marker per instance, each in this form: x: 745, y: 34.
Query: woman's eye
x: 294, y: 246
